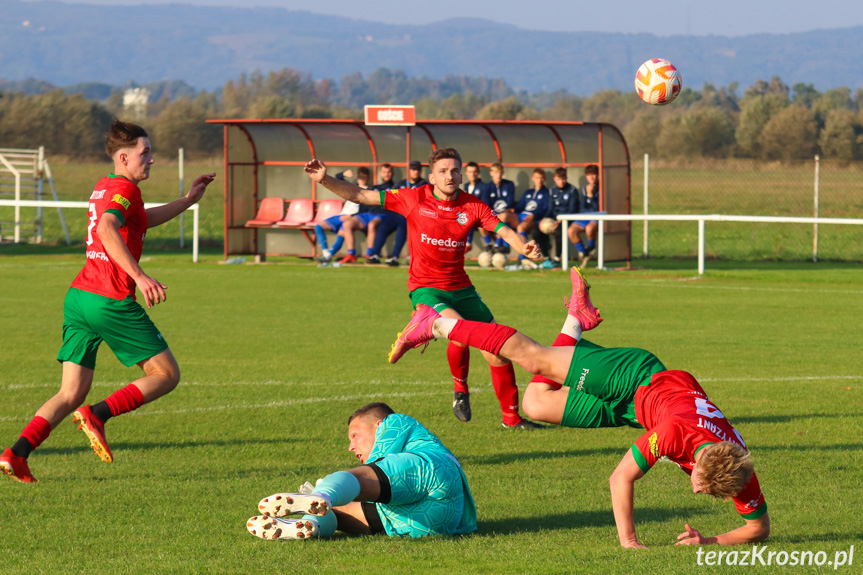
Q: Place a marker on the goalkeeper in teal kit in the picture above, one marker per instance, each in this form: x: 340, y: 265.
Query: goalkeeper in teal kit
x: 409, y: 485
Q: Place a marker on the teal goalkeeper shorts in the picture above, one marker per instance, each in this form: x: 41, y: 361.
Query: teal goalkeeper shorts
x: 427, y: 494
x: 89, y: 319
x: 465, y: 301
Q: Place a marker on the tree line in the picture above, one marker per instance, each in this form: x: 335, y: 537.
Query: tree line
x: 769, y: 121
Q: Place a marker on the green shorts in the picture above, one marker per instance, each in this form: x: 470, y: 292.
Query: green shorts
x: 89, y: 319
x: 602, y: 384
x: 465, y: 301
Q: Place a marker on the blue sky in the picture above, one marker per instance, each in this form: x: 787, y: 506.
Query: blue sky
x: 668, y: 18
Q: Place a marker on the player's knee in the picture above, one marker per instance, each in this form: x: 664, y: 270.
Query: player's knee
x: 73, y: 397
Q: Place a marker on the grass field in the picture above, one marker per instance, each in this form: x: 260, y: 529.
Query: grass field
x: 275, y: 357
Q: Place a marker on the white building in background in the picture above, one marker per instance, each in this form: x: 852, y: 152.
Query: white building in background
x: 135, y: 101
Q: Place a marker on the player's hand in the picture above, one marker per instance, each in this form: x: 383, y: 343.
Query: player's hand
x: 532, y: 251
x: 199, y: 186
x: 348, y: 173
x: 316, y: 170
x: 152, y: 290
x: 690, y: 537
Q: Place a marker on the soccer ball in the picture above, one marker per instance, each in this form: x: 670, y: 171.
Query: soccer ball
x: 546, y: 225
x: 658, y: 82
x: 498, y: 260
x: 484, y: 260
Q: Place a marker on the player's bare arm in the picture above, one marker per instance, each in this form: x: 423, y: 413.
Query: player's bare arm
x: 161, y: 214
x: 317, y: 171
x: 109, y: 232
x: 622, y: 484
x: 754, y: 531
x: 528, y: 249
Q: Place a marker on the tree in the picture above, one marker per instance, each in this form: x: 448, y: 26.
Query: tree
x: 755, y: 113
x: 183, y: 124
x: 839, y: 138
x: 643, y: 133
x: 271, y: 106
x: 790, y: 134
x: 508, y: 109
x: 835, y: 99
x: 804, y: 94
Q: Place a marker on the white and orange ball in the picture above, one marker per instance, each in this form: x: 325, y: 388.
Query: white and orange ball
x: 484, y: 260
x: 658, y: 82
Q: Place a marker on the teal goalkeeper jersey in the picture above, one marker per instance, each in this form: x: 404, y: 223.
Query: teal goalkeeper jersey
x: 399, y: 433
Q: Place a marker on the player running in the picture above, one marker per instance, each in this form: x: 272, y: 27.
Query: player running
x: 409, y: 485
x: 440, y: 216
x: 581, y: 384
x: 100, y: 305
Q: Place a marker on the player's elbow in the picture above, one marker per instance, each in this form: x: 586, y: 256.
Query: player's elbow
x: 760, y: 530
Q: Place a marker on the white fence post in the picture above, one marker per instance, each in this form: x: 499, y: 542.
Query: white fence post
x: 182, y: 186
x: 646, y: 198
x: 817, y: 193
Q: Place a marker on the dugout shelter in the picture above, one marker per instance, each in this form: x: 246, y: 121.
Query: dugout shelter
x: 265, y: 158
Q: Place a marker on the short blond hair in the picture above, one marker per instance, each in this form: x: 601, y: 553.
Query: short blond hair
x: 725, y: 469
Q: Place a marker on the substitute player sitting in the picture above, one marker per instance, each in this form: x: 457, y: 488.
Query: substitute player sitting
x: 587, y: 386
x: 409, y: 485
x: 439, y: 218
x: 100, y: 305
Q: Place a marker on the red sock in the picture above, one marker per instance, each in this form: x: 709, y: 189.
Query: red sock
x: 562, y: 340
x: 458, y: 357
x: 36, y: 431
x: 488, y: 337
x: 503, y: 381
x: 125, y: 400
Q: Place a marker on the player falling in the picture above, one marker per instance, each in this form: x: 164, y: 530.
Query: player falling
x: 100, y: 305
x: 440, y: 216
x: 580, y: 384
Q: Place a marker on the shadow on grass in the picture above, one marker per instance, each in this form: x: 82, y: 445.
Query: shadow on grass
x: 498, y: 458
x: 798, y: 447
x: 604, y: 518
x: 146, y: 446
x: 831, y: 537
x: 788, y: 418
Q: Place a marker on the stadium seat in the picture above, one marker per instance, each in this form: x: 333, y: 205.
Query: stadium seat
x: 326, y: 209
x: 300, y: 211
x: 271, y: 211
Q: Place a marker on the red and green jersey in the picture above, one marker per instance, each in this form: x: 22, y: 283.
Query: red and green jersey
x: 680, y: 421
x: 119, y: 196
x: 437, y: 232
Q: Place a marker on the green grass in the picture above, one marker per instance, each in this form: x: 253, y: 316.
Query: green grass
x: 275, y: 357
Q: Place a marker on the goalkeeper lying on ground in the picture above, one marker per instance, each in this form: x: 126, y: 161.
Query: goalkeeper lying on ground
x: 409, y: 485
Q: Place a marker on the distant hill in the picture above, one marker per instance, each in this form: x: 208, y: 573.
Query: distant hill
x: 205, y: 46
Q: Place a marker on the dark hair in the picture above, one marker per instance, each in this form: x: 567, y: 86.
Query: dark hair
x: 122, y: 135
x: 472, y: 165
x: 560, y: 173
x: 363, y: 171
x: 444, y: 154
x: 376, y: 410
x: 388, y: 166
x: 591, y: 169
x: 539, y: 171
